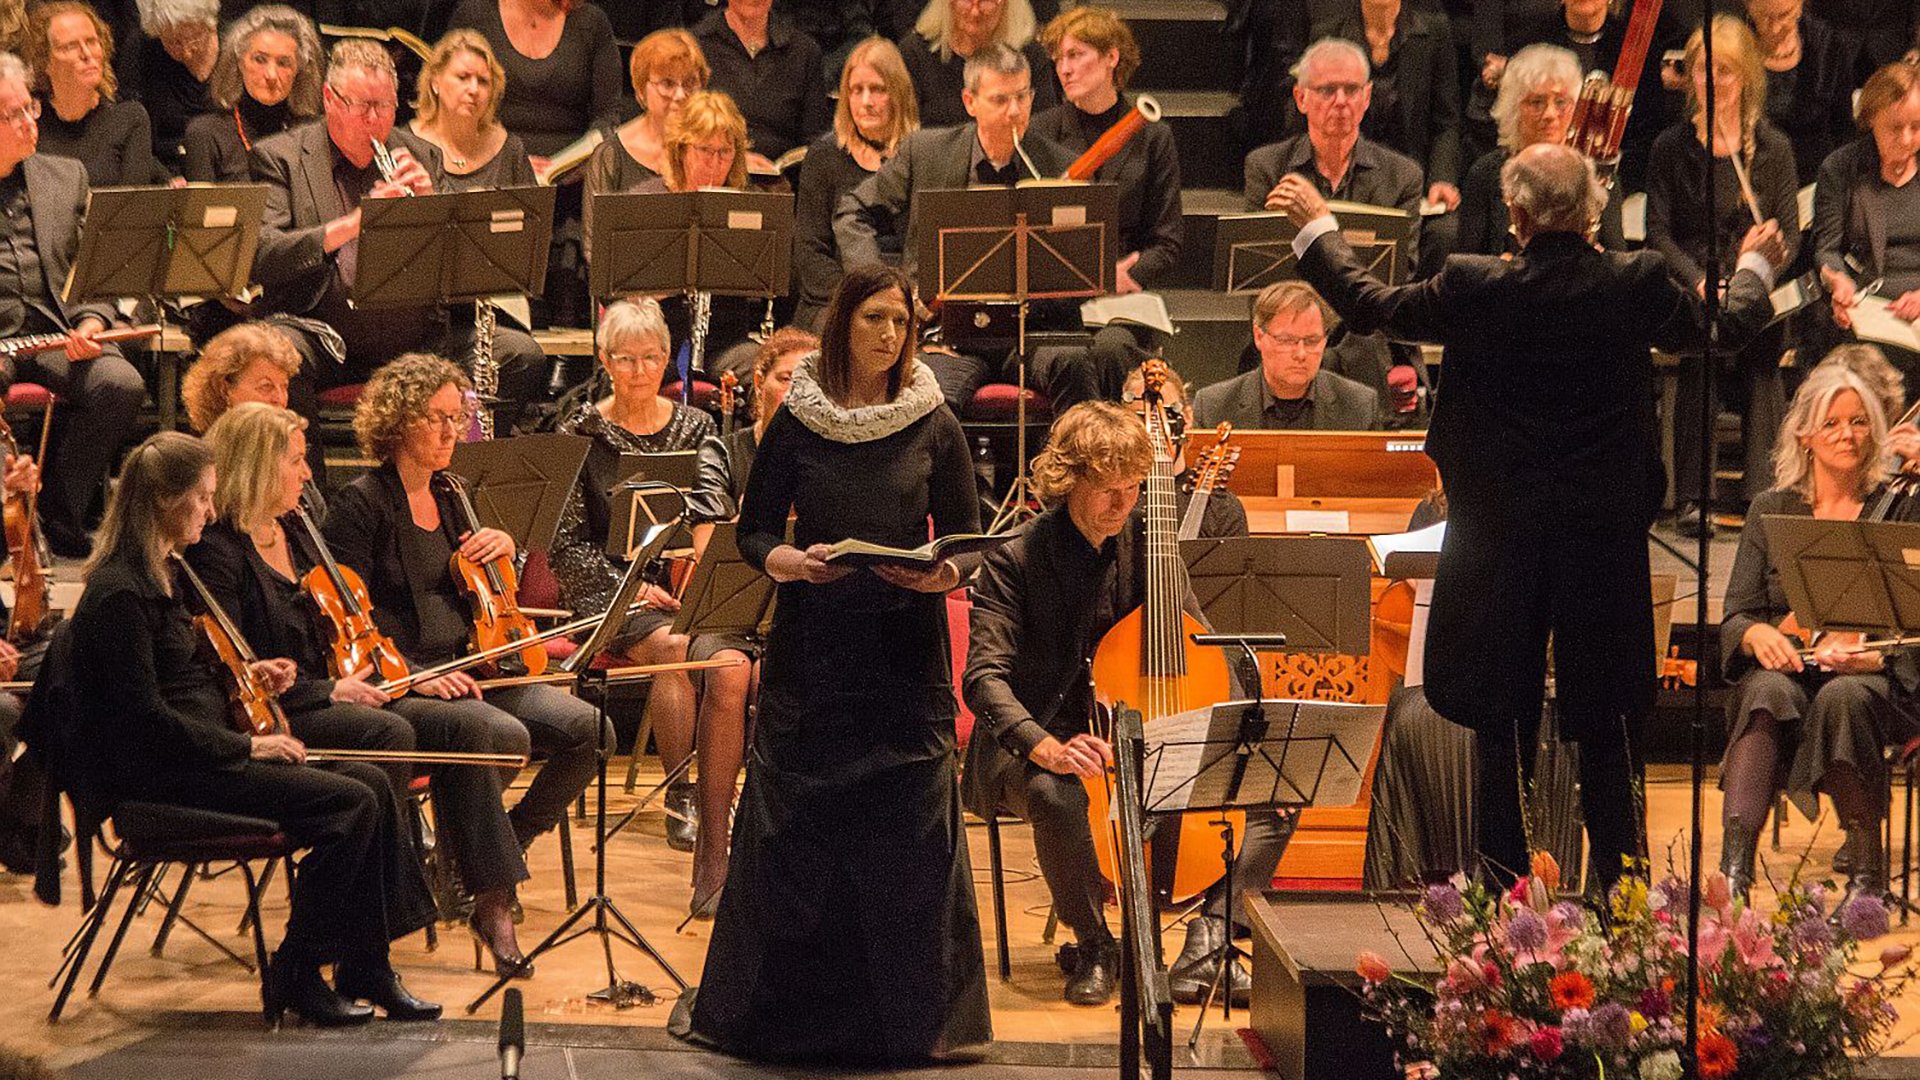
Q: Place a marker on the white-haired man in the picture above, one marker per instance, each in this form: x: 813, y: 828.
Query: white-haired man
x: 1547, y: 447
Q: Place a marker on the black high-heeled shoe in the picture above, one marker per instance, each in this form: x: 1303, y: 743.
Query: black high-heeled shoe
x: 380, y: 986
x: 300, y: 988
x: 511, y: 964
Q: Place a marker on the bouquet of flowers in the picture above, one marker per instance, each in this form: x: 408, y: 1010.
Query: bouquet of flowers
x: 1534, y: 987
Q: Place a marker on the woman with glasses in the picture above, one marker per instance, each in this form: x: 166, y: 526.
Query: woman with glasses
x: 667, y: 70
x: 634, y: 350
x: 456, y: 108
x: 950, y: 31
x: 266, y: 80
x: 1809, y: 725
x: 71, y: 49
x: 1866, y: 209
x: 398, y: 526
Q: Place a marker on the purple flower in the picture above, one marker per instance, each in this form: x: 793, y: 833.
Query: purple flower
x: 1527, y: 931
x: 1571, y: 916
x: 1812, y: 934
x: 1612, y: 1024
x: 1654, y: 1003
x: 1577, y: 1026
x: 1864, y: 917
x: 1442, y: 903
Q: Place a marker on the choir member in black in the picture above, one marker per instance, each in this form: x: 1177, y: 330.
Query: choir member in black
x: 949, y: 32
x: 719, y: 485
x: 773, y: 70
x: 42, y: 199
x: 1812, y: 68
x: 875, y: 111
x: 667, y: 69
x: 148, y: 693
x: 635, y: 353
x: 847, y: 930
x: 1547, y: 447
x: 1810, y: 726
x: 168, y: 69
x: 1534, y: 105
x: 1041, y: 605
x: 398, y: 527
x: 1678, y: 171
x: 1866, y: 208
x: 1302, y: 382
x: 253, y: 559
x: 72, y: 50
x: 456, y: 106
x: 562, y: 65
x: 266, y: 80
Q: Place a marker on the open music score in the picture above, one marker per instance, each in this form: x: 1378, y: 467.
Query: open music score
x: 1342, y: 482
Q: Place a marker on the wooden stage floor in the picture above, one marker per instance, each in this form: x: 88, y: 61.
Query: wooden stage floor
x: 191, y: 987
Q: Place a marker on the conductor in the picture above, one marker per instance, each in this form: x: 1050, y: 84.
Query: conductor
x: 1546, y: 443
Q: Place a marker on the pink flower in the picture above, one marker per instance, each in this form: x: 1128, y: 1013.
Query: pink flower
x: 1718, y: 893
x: 1545, y: 1044
x: 1753, y: 941
x: 1373, y: 967
x: 1714, y: 937
x: 1894, y: 954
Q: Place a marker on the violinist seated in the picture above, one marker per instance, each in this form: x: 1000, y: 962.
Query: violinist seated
x: 1293, y: 389
x: 44, y: 198
x: 634, y: 351
x: 1039, y: 603
x: 155, y: 722
x: 20, y: 780
x: 259, y: 561
x: 1813, y: 725
x: 399, y: 527
x: 720, y: 483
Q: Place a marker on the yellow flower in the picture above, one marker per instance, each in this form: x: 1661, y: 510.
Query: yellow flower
x: 1639, y: 1022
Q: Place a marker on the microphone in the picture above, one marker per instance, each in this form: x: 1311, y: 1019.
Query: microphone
x: 1267, y: 642
x: 513, y: 1035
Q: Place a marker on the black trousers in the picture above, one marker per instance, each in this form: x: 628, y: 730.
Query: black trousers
x: 1609, y: 797
x: 1056, y: 807
x: 99, y: 404
x: 359, y: 884
x: 1067, y: 374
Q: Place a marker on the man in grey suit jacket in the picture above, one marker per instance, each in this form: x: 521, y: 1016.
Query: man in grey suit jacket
x: 1290, y: 390
x: 316, y: 176
x: 1333, y: 89
x: 999, y: 97
x: 43, y: 200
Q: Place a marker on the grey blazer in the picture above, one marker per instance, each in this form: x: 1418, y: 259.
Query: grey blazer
x: 57, y: 201
x: 929, y: 158
x: 1339, y: 403
x: 291, y: 263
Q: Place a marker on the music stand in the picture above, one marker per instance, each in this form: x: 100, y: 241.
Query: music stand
x: 632, y: 510
x: 698, y: 243
x: 1315, y: 589
x: 452, y: 247
x: 1015, y: 245
x: 1849, y: 575
x: 520, y: 485
x: 166, y: 243
x: 1253, y: 251
x: 591, y: 685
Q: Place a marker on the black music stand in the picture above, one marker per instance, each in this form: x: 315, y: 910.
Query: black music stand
x: 1253, y: 251
x: 1016, y: 245
x: 1849, y: 575
x: 698, y: 243
x: 166, y: 243
x: 1314, y: 589
x: 456, y: 247
x: 633, y: 509
x: 591, y: 685
x: 521, y: 484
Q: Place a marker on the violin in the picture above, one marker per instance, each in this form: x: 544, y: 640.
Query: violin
x: 31, y: 605
x: 1148, y: 661
x: 492, y: 587
x: 341, y: 598
x: 255, y: 708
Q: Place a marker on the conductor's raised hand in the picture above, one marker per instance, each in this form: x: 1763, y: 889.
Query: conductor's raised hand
x: 1296, y: 197
x: 486, y: 545
x: 789, y: 563
x: 1083, y: 755
x: 1765, y: 238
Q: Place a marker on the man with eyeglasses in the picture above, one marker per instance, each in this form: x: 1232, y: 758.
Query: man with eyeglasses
x: 992, y: 150
x: 1292, y: 390
x: 1333, y: 87
x: 317, y: 175
x: 42, y: 199
x: 1548, y: 448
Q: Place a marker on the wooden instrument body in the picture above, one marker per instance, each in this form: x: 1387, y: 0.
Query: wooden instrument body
x: 30, y: 589
x: 491, y: 588
x: 254, y: 707
x: 358, y: 644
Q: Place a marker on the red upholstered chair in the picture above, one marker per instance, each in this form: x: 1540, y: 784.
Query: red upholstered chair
x: 705, y: 395
x: 341, y: 398
x: 994, y: 416
x: 32, y: 397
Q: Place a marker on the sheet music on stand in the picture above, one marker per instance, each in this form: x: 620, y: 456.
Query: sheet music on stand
x: 1253, y: 251
x: 631, y: 510
x: 1307, y: 753
x: 161, y: 243
x: 1848, y: 575
x: 724, y: 242
x: 451, y: 247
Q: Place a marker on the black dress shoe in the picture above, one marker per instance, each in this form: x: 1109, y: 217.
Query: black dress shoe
x: 1688, y: 522
x: 300, y: 988
x: 1198, y: 965
x: 1095, y: 974
x: 683, y: 816
x: 381, y: 987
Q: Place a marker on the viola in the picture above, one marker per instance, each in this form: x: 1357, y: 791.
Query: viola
x: 341, y: 598
x: 491, y: 588
x: 1148, y: 661
x: 255, y: 709
x: 31, y: 606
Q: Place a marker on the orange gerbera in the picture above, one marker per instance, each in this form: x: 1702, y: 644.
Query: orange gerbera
x: 1717, y: 1056
x: 1571, y: 990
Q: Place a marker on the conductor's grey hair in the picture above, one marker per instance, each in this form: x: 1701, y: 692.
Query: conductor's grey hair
x: 631, y: 320
x: 14, y: 69
x: 995, y: 57
x: 159, y: 16
x: 1328, y: 47
x: 1530, y: 69
x: 1556, y: 187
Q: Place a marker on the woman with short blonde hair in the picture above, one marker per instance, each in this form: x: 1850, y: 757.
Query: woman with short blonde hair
x: 948, y: 32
